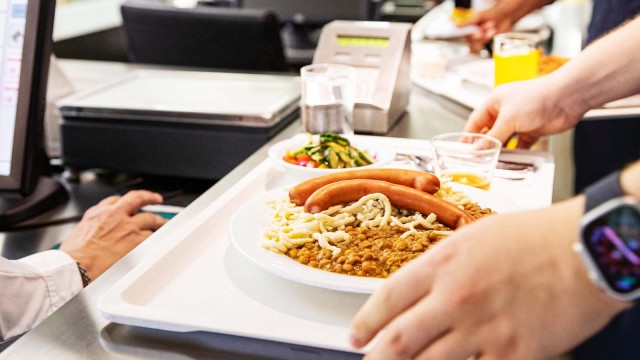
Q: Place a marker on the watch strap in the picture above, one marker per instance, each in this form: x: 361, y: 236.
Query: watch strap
x: 605, y: 189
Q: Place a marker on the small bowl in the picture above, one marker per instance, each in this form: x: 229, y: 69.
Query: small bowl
x: 380, y: 155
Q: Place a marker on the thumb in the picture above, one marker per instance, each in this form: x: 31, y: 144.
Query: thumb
x: 483, y: 117
x: 501, y: 130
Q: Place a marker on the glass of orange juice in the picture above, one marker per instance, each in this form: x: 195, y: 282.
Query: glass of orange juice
x: 515, y: 57
x: 466, y: 158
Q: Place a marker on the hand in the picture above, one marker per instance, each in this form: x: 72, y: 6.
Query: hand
x: 505, y: 287
x: 499, y: 19
x: 496, y: 20
x: 111, y: 229
x: 530, y: 109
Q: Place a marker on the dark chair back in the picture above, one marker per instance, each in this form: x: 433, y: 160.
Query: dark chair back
x: 206, y: 37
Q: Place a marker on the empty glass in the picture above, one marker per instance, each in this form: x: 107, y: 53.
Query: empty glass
x: 328, y: 98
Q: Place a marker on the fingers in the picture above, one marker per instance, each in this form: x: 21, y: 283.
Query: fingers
x: 488, y: 30
x: 109, y: 200
x: 148, y: 221
x: 502, y: 129
x: 480, y: 119
x: 415, y: 329
x: 139, y: 237
x: 394, y: 297
x: 454, y: 345
x: 476, y: 42
x: 481, y: 36
x: 132, y: 201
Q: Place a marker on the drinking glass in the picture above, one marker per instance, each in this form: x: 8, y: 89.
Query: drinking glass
x: 466, y: 158
x: 515, y: 56
x: 328, y: 98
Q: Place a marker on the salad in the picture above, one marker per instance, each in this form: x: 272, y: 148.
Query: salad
x: 328, y: 151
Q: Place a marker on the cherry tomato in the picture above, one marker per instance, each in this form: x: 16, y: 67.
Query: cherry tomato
x: 289, y: 159
x: 303, y: 157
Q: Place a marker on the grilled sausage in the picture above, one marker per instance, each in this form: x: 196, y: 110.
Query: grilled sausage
x: 416, y: 179
x: 346, y: 191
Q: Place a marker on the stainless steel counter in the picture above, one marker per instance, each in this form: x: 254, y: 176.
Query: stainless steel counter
x: 77, y: 330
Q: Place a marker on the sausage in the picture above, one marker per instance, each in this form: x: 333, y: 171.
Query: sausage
x: 346, y: 191
x: 416, y: 179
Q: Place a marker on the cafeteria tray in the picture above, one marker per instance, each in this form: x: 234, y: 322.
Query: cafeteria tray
x: 194, y: 280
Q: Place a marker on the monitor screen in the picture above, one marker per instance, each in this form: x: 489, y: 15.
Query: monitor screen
x: 314, y: 11
x: 13, y: 15
x: 25, y: 43
x: 25, y: 47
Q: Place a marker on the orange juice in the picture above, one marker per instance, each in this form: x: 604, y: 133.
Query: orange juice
x: 516, y: 66
x: 470, y: 179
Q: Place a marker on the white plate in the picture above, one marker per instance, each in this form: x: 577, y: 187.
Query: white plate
x: 381, y: 155
x: 249, y: 222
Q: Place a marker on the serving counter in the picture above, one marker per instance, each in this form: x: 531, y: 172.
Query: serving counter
x: 79, y: 330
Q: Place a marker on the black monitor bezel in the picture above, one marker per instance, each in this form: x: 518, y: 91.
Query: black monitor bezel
x: 28, y: 131
x: 307, y: 17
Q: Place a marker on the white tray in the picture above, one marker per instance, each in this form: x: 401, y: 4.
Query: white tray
x: 195, y: 280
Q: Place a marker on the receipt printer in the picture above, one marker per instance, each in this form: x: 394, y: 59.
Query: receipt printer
x: 380, y: 52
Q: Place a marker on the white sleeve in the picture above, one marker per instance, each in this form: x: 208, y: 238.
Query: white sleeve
x: 33, y: 287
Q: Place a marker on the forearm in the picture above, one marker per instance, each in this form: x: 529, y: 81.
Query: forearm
x: 605, y: 71
x: 519, y: 8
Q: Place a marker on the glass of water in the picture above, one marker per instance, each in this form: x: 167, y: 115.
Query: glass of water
x: 328, y: 98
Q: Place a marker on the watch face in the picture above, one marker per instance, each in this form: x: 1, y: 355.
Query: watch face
x: 613, y: 240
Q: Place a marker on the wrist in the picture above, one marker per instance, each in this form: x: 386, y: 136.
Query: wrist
x: 86, y: 280
x: 86, y: 263
x: 566, y: 93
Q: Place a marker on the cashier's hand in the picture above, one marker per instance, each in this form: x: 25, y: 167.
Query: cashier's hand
x: 110, y: 229
x: 529, y: 109
x: 506, y: 287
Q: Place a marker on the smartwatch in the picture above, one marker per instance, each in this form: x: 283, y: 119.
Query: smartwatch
x: 609, y: 239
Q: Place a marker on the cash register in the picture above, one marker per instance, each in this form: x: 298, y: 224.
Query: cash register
x: 380, y: 52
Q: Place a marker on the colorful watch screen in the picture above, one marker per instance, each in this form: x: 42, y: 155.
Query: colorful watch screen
x: 613, y: 240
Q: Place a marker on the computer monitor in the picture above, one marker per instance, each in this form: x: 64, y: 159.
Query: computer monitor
x: 302, y: 19
x: 315, y: 12
x: 25, y: 48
